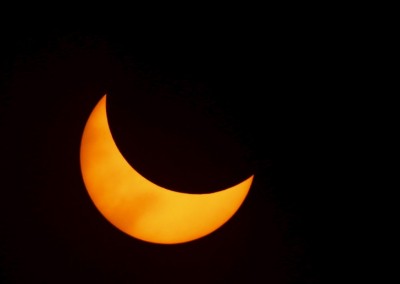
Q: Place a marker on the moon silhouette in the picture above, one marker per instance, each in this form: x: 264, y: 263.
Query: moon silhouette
x: 137, y: 206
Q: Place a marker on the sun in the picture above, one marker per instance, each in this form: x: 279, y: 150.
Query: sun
x: 141, y: 208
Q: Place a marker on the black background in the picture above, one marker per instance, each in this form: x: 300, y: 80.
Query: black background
x: 226, y: 101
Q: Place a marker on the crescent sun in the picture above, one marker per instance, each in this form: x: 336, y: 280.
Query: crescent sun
x: 140, y: 208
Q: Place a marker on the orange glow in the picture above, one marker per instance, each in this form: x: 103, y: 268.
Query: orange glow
x: 141, y: 208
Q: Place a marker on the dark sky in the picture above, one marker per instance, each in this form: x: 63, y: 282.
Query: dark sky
x: 209, y: 108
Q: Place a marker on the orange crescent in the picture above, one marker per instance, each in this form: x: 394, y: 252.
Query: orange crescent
x: 141, y: 208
